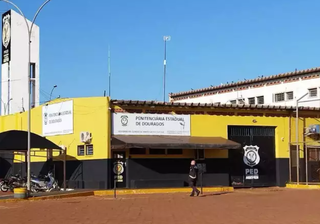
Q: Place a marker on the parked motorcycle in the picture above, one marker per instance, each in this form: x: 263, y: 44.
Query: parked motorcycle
x: 12, y: 182
x: 4, y: 186
x: 46, y: 184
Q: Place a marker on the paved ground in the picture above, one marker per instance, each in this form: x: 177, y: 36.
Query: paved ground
x: 244, y: 206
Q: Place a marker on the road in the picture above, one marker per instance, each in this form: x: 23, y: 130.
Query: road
x: 258, y: 206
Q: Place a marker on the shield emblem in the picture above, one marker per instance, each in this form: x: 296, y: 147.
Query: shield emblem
x: 6, y: 31
x: 251, y: 155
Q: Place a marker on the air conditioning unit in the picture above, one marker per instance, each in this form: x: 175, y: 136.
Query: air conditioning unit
x: 85, y: 137
x: 313, y: 129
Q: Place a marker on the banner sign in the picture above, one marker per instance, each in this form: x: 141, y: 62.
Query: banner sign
x: 6, y: 37
x: 150, y: 124
x: 57, y: 119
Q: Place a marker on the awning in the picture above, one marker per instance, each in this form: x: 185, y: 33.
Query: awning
x: 171, y: 142
x: 16, y: 140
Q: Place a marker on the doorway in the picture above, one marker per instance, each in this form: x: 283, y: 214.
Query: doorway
x: 254, y: 164
x: 119, y: 169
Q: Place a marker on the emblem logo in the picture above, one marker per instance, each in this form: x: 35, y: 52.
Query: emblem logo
x: 251, y: 155
x: 124, y: 120
x: 118, y: 168
x: 6, y: 31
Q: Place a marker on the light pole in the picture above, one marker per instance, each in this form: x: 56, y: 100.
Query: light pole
x: 29, y: 29
x: 297, y: 135
x: 165, y: 38
x: 55, y: 86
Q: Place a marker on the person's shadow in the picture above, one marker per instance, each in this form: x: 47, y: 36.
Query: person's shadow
x: 214, y: 194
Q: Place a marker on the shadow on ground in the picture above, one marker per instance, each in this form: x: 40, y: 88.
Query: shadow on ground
x: 215, y: 194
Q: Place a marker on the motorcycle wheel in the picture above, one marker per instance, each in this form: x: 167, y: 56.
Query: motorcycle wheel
x: 4, y: 188
x: 33, y: 189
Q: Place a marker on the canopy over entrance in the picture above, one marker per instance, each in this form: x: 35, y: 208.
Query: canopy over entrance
x: 172, y: 142
x: 16, y: 140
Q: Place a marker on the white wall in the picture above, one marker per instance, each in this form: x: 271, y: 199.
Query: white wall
x: 299, y: 88
x: 19, y: 66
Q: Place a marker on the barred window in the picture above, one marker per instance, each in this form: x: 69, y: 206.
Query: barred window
x: 260, y: 100
x: 89, y: 149
x: 279, y: 97
x: 80, y: 150
x: 313, y: 92
x: 251, y: 100
x: 290, y: 95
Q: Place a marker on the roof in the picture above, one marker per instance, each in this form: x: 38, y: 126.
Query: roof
x: 16, y: 140
x: 172, y: 142
x: 137, y: 103
x: 247, y: 82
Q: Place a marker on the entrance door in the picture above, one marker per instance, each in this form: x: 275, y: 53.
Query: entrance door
x: 254, y: 164
x: 119, y: 169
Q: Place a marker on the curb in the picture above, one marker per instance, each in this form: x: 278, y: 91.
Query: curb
x: 160, y: 191
x: 119, y: 192
x: 303, y: 186
x: 61, y: 196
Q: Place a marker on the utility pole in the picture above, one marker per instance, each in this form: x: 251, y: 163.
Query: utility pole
x: 109, y: 71
x: 29, y: 30
x: 165, y: 38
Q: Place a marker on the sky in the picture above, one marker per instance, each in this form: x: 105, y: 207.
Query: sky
x: 212, y: 42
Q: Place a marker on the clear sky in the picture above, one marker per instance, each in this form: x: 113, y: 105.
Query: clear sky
x: 212, y: 42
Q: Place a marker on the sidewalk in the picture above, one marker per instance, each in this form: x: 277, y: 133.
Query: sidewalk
x: 86, y: 193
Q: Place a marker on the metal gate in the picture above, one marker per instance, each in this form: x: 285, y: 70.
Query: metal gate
x: 255, y: 163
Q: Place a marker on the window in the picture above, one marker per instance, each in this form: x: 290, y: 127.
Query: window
x: 233, y: 101
x: 89, y: 150
x: 313, y: 92
x: 279, y: 97
x: 157, y: 151
x: 174, y: 152
x: 199, y: 154
x: 252, y: 100
x: 137, y: 151
x: 80, y: 150
x: 260, y: 100
x: 289, y: 95
x: 314, y: 154
x: 240, y: 101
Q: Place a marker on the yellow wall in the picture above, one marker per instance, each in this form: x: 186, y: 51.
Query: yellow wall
x: 213, y: 125
x: 90, y: 114
x: 203, y: 124
x: 93, y: 115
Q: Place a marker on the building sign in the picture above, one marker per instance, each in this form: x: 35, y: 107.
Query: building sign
x: 6, y: 37
x: 57, y: 119
x: 150, y: 124
x: 118, y: 169
x: 251, y: 158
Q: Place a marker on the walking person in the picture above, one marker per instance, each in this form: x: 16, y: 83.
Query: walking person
x: 193, y: 177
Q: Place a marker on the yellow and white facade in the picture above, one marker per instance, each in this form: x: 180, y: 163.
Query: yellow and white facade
x: 95, y: 163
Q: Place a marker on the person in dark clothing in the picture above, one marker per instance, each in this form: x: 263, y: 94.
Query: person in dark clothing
x: 193, y: 177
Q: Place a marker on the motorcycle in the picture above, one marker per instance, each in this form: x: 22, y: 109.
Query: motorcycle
x: 11, y: 183
x: 4, y: 185
x: 46, y: 184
